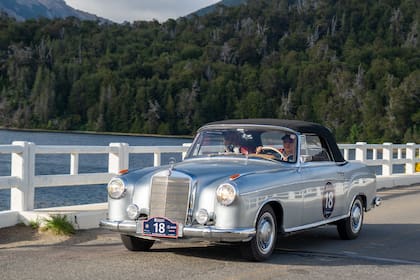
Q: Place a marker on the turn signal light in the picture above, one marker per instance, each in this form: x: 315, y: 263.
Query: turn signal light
x: 234, y: 176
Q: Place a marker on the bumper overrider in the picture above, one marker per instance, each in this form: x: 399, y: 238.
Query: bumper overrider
x: 210, y: 233
x: 377, y: 201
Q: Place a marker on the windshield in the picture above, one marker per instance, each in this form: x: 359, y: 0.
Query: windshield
x: 270, y: 144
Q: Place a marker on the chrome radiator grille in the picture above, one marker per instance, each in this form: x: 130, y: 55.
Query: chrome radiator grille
x: 169, y: 198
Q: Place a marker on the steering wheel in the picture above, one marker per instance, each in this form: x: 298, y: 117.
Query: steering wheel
x: 273, y: 151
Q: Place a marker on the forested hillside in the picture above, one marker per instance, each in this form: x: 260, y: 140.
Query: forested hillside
x: 26, y: 9
x: 353, y: 65
x: 212, y: 8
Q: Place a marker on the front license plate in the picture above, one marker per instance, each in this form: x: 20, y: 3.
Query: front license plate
x: 160, y: 227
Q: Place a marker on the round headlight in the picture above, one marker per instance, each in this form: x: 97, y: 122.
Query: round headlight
x: 226, y: 194
x: 116, y: 188
x: 133, y: 211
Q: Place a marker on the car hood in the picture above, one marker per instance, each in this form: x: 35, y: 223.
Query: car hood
x: 211, y: 172
x: 200, y: 168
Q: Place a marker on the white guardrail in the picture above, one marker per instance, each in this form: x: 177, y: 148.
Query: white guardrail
x: 23, y: 181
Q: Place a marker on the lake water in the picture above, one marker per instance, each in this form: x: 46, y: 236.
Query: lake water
x: 60, y: 164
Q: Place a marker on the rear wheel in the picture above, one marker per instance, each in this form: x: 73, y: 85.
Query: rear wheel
x: 349, y: 228
x: 136, y: 244
x: 263, y: 243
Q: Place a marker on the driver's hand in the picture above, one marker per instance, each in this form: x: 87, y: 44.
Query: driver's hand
x: 258, y: 150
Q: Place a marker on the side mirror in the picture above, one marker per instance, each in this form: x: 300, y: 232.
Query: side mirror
x: 305, y: 158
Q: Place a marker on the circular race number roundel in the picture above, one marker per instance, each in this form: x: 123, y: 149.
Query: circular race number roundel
x: 328, y: 200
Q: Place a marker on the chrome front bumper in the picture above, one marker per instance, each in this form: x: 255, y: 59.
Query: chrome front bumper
x: 210, y: 233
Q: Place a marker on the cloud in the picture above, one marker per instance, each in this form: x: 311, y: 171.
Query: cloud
x: 131, y: 10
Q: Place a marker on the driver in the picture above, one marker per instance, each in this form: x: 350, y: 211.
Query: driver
x: 289, y: 148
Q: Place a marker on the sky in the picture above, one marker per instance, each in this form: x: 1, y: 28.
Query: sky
x: 131, y: 10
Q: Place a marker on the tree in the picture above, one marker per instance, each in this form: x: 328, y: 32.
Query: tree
x: 352, y: 65
x: 43, y: 96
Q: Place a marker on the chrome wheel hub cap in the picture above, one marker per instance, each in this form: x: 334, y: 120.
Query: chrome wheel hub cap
x: 356, y: 217
x: 265, y: 233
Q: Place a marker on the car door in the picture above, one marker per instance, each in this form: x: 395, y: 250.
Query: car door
x: 323, y: 193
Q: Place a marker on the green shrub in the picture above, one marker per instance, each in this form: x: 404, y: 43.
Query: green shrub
x: 58, y: 224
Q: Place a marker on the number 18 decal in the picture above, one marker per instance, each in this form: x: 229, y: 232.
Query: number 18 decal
x: 159, y: 228
x: 328, y: 200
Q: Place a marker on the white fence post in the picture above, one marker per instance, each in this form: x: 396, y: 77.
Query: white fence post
x: 184, y: 154
x: 23, y: 166
x: 410, y: 166
x: 346, y: 154
x: 361, y: 151
x: 118, y: 160
x: 74, y: 164
x: 156, y: 159
x: 388, y: 157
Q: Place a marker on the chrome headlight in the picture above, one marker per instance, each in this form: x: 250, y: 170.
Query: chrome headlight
x: 226, y: 194
x: 116, y: 188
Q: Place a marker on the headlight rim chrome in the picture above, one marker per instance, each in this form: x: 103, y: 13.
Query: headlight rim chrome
x: 112, y: 192
x: 226, y: 194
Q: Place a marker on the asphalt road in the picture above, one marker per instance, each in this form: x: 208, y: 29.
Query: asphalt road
x: 388, y: 248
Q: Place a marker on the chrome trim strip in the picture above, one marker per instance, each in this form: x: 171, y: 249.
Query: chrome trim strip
x: 123, y: 226
x: 317, y: 224
x: 191, y: 202
x: 256, y: 126
x: 212, y: 233
x: 204, y: 232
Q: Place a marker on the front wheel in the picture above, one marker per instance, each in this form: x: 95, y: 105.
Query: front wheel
x: 136, y: 244
x: 349, y: 228
x: 263, y: 243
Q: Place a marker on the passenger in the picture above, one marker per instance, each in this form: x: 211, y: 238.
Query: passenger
x: 231, y: 142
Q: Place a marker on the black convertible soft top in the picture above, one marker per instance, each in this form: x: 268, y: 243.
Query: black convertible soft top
x: 299, y: 126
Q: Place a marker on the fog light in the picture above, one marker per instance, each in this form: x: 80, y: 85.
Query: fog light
x: 133, y: 211
x: 202, y: 216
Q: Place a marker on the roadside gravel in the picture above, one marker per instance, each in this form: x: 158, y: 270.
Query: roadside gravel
x: 23, y: 236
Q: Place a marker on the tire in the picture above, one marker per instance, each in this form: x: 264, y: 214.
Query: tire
x: 136, y: 244
x: 349, y: 228
x: 262, y: 245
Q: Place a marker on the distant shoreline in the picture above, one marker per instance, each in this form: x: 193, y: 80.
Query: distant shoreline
x: 95, y: 132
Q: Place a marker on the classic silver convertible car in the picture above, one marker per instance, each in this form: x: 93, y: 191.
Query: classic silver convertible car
x: 244, y: 181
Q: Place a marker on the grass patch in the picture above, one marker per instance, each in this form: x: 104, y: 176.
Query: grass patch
x: 35, y: 224
x: 58, y: 224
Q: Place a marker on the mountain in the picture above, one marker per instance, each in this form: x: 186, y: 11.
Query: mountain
x: 28, y: 9
x: 211, y: 8
x: 351, y: 65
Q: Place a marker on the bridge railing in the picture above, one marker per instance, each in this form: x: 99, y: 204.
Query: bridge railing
x: 387, y: 155
x: 23, y: 181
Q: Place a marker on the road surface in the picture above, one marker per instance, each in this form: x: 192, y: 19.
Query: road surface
x: 388, y: 248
